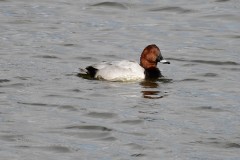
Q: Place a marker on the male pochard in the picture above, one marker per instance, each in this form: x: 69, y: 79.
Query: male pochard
x: 126, y: 70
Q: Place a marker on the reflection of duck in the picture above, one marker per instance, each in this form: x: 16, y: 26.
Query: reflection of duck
x: 130, y: 70
x: 149, y: 84
x: 150, y: 93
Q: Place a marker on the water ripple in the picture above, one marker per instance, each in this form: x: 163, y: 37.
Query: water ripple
x: 138, y: 155
x: 206, y: 61
x: 132, y: 122
x: 101, y: 115
x: 53, y: 148
x: 216, y: 62
x: 209, y: 75
x: 191, y: 80
x: 220, y: 144
x: 208, y: 108
x: 12, y: 138
x: 4, y: 80
x: 89, y: 127
x: 152, y: 94
x: 37, y: 104
x: 222, y: 0
x: 110, y: 4
x: 47, y: 56
x: 68, y: 107
x: 171, y: 9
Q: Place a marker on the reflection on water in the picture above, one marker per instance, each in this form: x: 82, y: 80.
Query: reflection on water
x: 152, y: 90
x: 85, y: 76
x: 151, y: 87
x: 149, y: 84
x: 150, y: 94
x: 49, y: 112
x: 110, y: 5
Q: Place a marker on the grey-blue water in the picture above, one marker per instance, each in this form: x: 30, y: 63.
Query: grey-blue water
x: 48, y: 112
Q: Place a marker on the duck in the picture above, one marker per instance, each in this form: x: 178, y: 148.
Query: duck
x: 127, y: 70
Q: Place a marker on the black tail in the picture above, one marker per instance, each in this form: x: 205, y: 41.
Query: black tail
x: 92, y: 71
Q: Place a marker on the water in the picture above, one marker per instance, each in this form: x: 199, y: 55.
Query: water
x: 48, y: 112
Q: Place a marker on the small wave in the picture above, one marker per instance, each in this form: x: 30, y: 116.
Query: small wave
x: 210, y: 75
x: 68, y: 108
x: 222, y: 0
x: 55, y: 148
x: 4, y: 80
x: 136, y: 146
x: 208, y: 108
x: 14, y: 85
x: 232, y: 69
x: 110, y: 138
x: 171, y: 9
x: 47, y: 56
x: 138, y: 155
x: 85, y: 58
x: 222, y: 16
x: 89, y: 132
x: 89, y: 127
x: 38, y: 104
x: 206, y: 61
x: 215, y: 62
x: 12, y: 138
x: 22, y: 78
x: 68, y: 45
x: 232, y: 145
x: 219, y: 143
x: 111, y: 4
x: 132, y: 122
x: 191, y: 80
x: 103, y: 115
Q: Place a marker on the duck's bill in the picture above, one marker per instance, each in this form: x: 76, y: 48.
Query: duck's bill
x: 164, y: 61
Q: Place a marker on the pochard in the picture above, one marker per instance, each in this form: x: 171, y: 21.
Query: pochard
x: 126, y: 70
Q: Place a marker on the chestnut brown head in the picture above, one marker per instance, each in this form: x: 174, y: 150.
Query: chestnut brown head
x: 150, y: 56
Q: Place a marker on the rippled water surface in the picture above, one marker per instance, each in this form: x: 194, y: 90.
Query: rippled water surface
x: 48, y: 112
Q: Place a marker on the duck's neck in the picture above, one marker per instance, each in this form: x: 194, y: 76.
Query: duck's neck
x: 152, y: 73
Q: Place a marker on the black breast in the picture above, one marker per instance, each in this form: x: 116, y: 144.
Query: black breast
x: 152, y: 73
